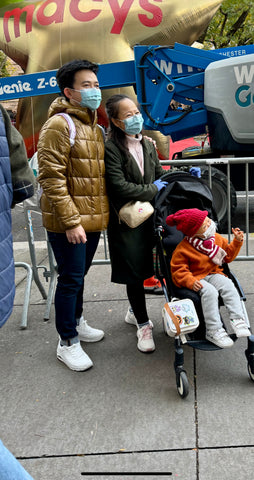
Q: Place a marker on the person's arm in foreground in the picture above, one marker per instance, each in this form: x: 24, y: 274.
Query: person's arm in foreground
x: 10, y: 468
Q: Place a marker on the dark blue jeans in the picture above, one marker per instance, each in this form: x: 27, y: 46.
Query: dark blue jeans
x: 73, y: 262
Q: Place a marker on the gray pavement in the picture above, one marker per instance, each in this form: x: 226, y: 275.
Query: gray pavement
x: 122, y: 419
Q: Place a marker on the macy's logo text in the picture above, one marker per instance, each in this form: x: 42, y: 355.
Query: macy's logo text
x: 120, y: 12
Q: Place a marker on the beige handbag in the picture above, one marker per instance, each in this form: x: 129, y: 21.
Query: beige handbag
x: 135, y: 213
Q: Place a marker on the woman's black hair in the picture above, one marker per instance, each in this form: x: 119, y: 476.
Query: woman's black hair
x: 117, y: 135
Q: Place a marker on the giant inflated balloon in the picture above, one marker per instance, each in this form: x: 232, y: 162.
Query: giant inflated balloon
x: 43, y: 35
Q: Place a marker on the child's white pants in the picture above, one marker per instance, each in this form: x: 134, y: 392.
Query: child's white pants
x: 213, y: 286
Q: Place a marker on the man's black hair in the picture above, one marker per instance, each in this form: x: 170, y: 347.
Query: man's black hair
x: 65, y: 75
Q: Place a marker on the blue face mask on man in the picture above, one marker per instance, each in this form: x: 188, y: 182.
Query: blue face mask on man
x: 133, y: 125
x: 90, y: 98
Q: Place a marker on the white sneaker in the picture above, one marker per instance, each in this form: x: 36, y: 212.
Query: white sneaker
x: 88, y: 334
x: 219, y: 337
x: 74, y: 357
x: 240, y: 327
x: 145, y: 339
x: 131, y: 319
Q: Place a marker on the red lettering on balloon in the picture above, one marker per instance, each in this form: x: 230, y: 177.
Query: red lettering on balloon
x: 56, y: 17
x: 120, y: 14
x: 156, y: 12
x: 16, y: 13
x: 83, y: 16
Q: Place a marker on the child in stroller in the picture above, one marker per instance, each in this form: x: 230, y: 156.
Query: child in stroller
x: 196, y: 264
x: 186, y: 192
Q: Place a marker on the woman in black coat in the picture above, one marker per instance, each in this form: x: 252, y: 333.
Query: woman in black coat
x: 132, y: 173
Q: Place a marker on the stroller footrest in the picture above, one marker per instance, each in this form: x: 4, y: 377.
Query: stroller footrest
x: 202, y: 345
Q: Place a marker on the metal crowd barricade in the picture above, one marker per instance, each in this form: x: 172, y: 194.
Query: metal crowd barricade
x: 228, y: 161
x: 49, y: 273
x: 29, y: 278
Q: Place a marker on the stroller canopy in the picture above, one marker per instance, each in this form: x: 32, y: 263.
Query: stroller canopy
x: 183, y: 191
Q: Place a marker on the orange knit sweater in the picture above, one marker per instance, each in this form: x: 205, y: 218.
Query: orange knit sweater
x: 189, y: 265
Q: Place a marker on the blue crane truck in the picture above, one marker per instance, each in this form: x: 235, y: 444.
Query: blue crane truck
x: 213, y: 88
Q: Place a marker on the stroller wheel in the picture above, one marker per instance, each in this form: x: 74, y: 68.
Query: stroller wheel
x: 251, y: 374
x: 182, y: 384
x: 249, y: 353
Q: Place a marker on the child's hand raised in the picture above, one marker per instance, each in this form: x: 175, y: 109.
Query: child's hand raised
x: 239, y: 235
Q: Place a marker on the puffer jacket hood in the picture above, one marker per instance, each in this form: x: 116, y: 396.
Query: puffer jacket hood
x: 72, y: 178
x: 61, y: 105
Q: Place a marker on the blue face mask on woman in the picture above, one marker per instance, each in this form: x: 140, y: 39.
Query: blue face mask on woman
x: 133, y: 125
x: 90, y: 98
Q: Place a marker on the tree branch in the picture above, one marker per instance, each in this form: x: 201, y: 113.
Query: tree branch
x: 239, y: 23
x: 224, y: 21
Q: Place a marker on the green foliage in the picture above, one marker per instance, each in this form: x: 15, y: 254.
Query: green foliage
x: 9, y: 3
x: 231, y: 26
x: 3, y: 65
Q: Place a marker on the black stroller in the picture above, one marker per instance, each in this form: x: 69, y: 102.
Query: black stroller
x: 185, y: 191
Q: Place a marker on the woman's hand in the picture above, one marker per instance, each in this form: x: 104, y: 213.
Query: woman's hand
x: 160, y: 184
x: 76, y: 235
x: 150, y: 140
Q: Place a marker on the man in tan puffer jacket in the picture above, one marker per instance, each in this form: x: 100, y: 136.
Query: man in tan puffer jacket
x: 74, y: 202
